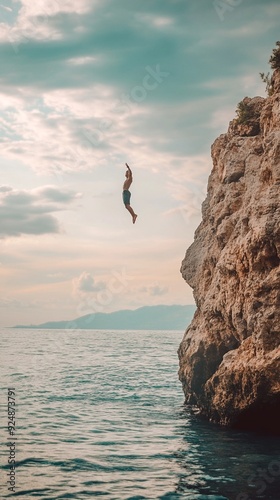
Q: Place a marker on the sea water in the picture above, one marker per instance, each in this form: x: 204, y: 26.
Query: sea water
x: 100, y: 414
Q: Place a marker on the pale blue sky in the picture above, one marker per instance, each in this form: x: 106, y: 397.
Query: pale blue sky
x: 87, y: 85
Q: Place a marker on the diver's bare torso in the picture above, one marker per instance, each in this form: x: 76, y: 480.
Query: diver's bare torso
x: 127, y: 183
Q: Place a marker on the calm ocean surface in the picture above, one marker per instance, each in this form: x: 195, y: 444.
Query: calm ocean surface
x: 100, y: 415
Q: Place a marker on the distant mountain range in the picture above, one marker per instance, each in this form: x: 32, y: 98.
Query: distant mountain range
x: 145, y: 318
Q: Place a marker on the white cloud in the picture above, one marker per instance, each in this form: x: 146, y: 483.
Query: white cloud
x: 163, y: 21
x: 34, y: 20
x: 187, y: 186
x: 12, y: 303
x: 63, y: 131
x: 56, y: 6
x: 249, y: 30
x: 86, y: 284
x: 154, y: 290
x: 221, y: 118
x: 77, y: 61
x: 155, y: 20
x: 30, y: 212
x: 8, y: 9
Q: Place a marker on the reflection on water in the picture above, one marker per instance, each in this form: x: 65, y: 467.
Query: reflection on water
x: 100, y: 413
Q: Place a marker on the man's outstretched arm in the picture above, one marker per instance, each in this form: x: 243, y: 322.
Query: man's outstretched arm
x: 129, y: 171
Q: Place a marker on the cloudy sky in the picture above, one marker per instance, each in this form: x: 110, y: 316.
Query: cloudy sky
x: 87, y: 85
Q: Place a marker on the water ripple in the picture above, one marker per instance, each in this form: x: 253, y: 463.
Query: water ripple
x: 100, y: 414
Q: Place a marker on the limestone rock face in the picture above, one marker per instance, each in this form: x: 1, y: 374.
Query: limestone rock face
x: 230, y: 355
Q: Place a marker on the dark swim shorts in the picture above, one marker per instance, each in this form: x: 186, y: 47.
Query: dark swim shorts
x: 126, y: 197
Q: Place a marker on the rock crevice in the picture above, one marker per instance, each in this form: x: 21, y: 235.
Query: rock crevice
x: 230, y: 355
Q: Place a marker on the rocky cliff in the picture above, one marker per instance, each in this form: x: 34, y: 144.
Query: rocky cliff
x: 230, y: 354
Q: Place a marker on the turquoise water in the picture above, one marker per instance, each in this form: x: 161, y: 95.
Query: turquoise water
x: 100, y: 415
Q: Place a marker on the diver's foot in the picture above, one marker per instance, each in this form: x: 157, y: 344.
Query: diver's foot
x: 134, y: 218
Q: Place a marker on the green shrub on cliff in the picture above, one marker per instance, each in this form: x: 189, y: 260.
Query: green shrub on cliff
x: 275, y: 57
x: 244, y: 112
x: 274, y: 62
x: 267, y: 79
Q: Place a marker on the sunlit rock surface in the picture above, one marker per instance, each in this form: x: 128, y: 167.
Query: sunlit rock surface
x: 230, y: 355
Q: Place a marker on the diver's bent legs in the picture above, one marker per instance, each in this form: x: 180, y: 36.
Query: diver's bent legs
x: 131, y: 211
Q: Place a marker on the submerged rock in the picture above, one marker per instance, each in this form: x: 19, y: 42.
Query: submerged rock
x: 230, y: 355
